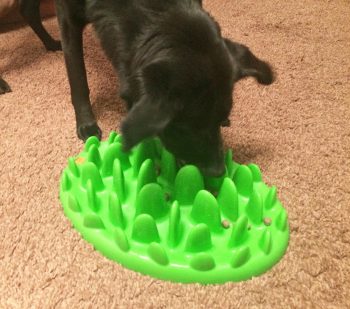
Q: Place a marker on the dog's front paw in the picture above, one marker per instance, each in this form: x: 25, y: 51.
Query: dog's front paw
x: 4, y: 87
x: 53, y: 45
x: 86, y: 130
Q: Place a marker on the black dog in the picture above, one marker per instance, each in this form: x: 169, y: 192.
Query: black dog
x: 176, y: 71
x: 30, y: 10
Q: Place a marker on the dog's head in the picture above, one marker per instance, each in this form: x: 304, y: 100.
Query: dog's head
x: 185, y: 91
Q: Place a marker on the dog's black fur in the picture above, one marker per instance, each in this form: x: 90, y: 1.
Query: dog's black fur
x: 176, y: 71
x: 30, y: 11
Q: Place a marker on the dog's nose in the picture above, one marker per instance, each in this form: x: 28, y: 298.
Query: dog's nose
x: 215, y: 170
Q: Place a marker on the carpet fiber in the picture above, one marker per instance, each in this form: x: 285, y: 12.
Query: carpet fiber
x: 297, y: 131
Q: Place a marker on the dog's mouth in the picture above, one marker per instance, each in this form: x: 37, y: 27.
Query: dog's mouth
x: 180, y: 163
x: 215, y: 170
x: 210, y: 161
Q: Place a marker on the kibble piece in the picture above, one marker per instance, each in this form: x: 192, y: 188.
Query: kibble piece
x: 267, y: 221
x: 80, y: 160
x: 225, y: 224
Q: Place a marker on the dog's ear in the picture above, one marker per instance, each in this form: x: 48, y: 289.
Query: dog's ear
x: 157, y: 77
x: 145, y: 119
x: 153, y: 112
x: 248, y: 64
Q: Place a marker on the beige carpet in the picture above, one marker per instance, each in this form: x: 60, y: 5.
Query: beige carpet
x: 297, y: 131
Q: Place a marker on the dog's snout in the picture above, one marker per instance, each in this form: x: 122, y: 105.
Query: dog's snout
x: 214, y: 170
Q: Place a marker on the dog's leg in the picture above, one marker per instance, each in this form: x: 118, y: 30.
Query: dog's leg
x: 72, y: 44
x: 30, y: 10
x: 4, y: 87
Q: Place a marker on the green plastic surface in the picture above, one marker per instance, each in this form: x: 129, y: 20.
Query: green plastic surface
x: 142, y: 211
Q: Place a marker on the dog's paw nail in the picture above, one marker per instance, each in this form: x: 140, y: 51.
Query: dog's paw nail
x: 87, y: 130
x: 267, y: 79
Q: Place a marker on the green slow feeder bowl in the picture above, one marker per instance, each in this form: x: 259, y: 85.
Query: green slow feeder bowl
x: 140, y: 210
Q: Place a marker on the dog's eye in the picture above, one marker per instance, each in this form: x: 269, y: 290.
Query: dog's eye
x: 226, y: 123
